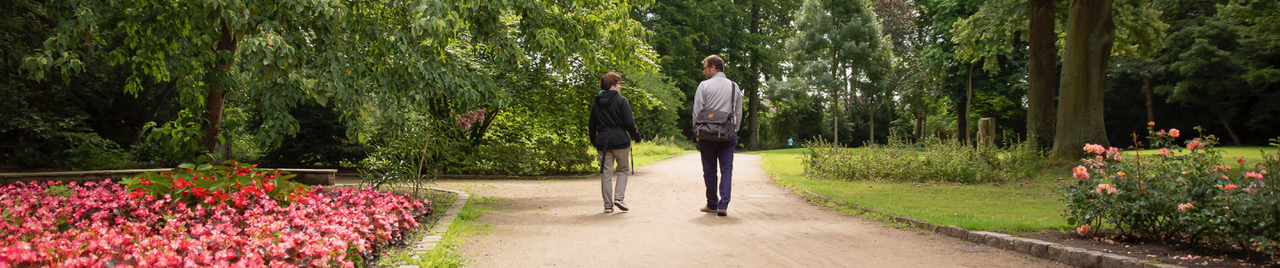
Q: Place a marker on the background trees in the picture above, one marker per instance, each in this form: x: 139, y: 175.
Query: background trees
x: 93, y: 84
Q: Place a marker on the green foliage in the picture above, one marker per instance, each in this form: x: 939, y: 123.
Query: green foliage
x: 840, y: 48
x: 180, y: 139
x: 656, y: 110
x: 994, y: 30
x: 1188, y: 196
x: 931, y: 160
x: 233, y: 183
x: 320, y: 142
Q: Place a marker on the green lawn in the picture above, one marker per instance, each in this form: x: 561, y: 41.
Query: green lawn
x: 1251, y: 154
x: 1008, y: 207
x: 649, y: 152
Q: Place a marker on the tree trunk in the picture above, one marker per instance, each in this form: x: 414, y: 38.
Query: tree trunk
x: 920, y: 126
x: 1232, y: 133
x: 753, y: 88
x: 835, y: 117
x: 1043, y: 72
x: 1146, y: 88
x: 1090, y: 32
x: 873, y: 124
x: 214, y: 101
x: 962, y: 120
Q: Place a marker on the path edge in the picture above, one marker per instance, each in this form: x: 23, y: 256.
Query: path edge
x: 428, y: 242
x: 1072, y: 256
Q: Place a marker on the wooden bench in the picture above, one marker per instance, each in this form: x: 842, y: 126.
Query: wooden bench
x: 304, y: 176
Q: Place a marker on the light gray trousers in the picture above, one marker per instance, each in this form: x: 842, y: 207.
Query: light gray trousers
x: 608, y: 160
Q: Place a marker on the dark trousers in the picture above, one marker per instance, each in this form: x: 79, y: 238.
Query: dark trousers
x: 713, y: 153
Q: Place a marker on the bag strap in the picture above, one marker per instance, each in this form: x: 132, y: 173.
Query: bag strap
x: 736, y: 99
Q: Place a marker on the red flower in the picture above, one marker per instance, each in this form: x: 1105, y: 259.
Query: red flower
x: 1151, y: 124
x: 1240, y: 160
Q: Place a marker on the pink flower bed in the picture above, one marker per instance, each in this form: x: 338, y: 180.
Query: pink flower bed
x: 98, y: 224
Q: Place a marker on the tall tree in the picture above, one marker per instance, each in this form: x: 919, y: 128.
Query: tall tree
x: 991, y: 32
x: 281, y: 53
x: 748, y: 34
x: 1086, y: 51
x: 1042, y: 71
x: 839, y: 46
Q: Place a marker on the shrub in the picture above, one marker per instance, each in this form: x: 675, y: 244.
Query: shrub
x: 235, y: 184
x: 928, y: 160
x: 1177, y: 196
x: 102, y: 224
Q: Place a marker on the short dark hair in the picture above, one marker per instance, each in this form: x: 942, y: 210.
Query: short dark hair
x: 713, y: 61
x: 609, y: 79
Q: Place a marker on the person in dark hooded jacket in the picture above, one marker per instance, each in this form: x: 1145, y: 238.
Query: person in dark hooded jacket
x: 611, y: 129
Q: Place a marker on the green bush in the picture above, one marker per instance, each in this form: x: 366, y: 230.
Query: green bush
x: 232, y: 183
x: 929, y: 160
x: 1178, y: 196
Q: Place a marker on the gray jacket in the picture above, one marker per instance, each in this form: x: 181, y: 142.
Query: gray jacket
x: 717, y: 94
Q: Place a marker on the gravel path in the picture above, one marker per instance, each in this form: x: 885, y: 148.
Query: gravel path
x: 561, y: 224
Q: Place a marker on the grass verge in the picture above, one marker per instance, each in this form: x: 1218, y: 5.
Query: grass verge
x: 1230, y: 154
x: 445, y: 253
x: 1015, y: 206
x: 651, y: 152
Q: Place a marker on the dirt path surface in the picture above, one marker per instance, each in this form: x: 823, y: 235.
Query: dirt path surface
x: 561, y: 224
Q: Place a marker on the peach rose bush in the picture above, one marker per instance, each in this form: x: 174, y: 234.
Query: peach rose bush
x: 1187, y: 196
x: 199, y: 216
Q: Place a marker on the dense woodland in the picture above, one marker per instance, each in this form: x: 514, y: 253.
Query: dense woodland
x: 503, y: 87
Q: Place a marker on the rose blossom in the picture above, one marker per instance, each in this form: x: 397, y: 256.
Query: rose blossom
x: 1081, y: 172
x: 1184, y: 207
x: 1194, y: 145
x: 1173, y: 132
x: 1253, y: 175
x: 1094, y: 148
x: 1083, y: 230
x: 1105, y: 189
x: 1165, y: 152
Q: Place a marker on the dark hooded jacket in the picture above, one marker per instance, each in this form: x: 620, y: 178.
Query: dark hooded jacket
x: 611, y: 122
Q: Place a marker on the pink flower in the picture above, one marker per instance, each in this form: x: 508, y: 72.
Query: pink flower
x: 1083, y: 229
x: 1105, y: 189
x: 1185, y: 206
x: 1253, y: 175
x: 1165, y: 152
x: 1094, y: 148
x: 1081, y: 172
x: 1173, y: 132
x: 1192, y: 145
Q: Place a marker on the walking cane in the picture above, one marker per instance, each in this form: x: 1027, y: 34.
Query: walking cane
x: 632, y: 161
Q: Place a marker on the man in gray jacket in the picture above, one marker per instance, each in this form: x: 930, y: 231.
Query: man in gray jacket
x: 717, y: 93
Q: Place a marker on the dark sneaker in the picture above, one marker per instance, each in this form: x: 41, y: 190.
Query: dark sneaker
x: 608, y: 210
x: 707, y: 210
x: 621, y: 205
x: 722, y: 213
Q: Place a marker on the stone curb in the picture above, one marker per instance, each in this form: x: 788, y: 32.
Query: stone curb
x: 1073, y: 256
x: 429, y: 241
